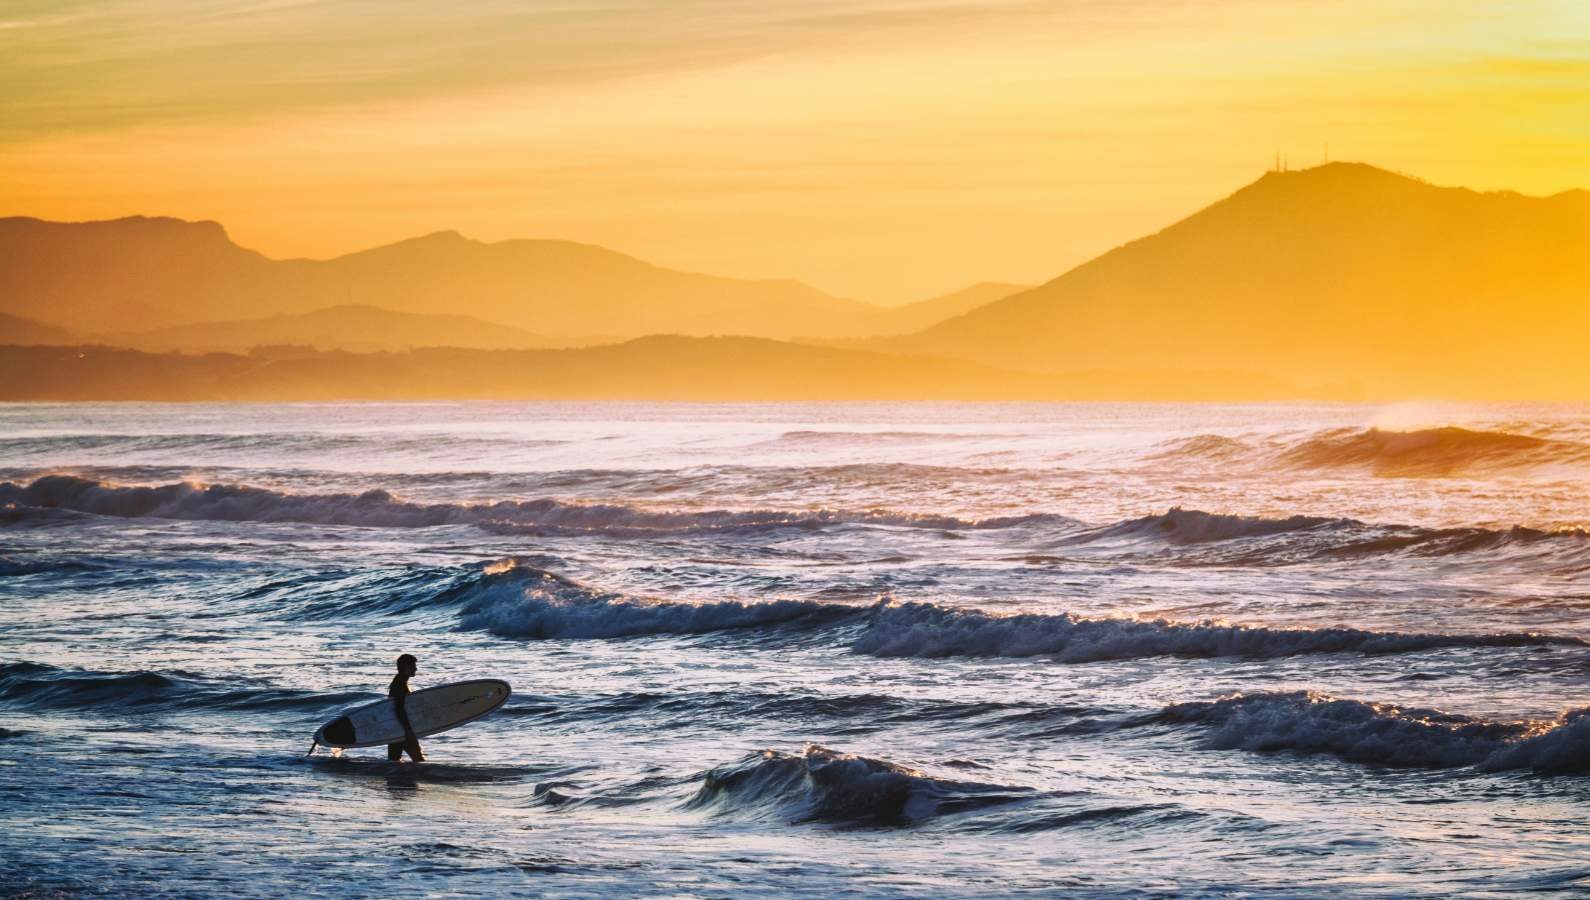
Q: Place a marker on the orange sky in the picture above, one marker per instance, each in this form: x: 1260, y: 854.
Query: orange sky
x: 881, y: 150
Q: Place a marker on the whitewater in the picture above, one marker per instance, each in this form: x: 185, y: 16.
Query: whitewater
x: 789, y: 649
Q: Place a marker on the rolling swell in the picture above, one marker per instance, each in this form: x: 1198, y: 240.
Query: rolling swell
x: 1190, y: 526
x: 380, y: 509
x: 524, y: 602
x: 1193, y: 537
x: 37, y: 517
x: 824, y: 438
x: 835, y: 713
x: 1383, y: 734
x: 16, y: 568
x: 820, y: 785
x: 39, y: 686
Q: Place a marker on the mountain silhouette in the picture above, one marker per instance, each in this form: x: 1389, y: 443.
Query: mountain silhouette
x: 1342, y: 281
x: 1342, y: 274
x: 18, y: 330
x: 912, y: 317
x: 139, y: 273
x: 123, y: 274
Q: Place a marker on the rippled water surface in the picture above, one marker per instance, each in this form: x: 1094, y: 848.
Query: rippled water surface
x: 907, y: 649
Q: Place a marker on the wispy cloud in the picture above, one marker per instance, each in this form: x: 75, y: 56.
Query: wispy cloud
x: 110, y: 63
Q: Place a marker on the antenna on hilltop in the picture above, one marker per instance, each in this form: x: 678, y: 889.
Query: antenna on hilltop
x: 1327, y: 152
x: 1277, y: 161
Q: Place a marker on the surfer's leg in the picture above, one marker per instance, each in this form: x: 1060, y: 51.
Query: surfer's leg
x: 413, y: 746
x: 394, y: 752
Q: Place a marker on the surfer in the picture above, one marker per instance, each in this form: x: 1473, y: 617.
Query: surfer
x: 407, y: 665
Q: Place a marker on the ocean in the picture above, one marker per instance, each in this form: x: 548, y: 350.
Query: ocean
x: 949, y: 650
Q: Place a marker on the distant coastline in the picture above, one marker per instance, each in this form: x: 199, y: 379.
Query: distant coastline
x: 655, y: 368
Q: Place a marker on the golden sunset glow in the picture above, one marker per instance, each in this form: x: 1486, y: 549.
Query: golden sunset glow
x: 876, y: 448
x: 882, y: 151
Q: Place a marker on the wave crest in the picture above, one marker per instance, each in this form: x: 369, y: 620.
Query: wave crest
x: 928, y: 630
x: 1211, y: 539
x: 531, y: 603
x: 381, y: 509
x: 1429, y: 451
x: 1191, y: 526
x: 1204, y: 446
x: 1384, y: 734
x: 825, y: 786
x: 527, y: 602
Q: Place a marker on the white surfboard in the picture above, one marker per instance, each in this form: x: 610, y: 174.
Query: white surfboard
x: 431, y: 711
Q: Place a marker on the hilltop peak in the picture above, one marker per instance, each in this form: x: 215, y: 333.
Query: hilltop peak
x: 1335, y: 274
x: 1363, y: 178
x: 170, y: 222
x: 1341, y: 169
x: 126, y: 225
x: 445, y: 238
x: 1336, y: 176
x: 167, y: 227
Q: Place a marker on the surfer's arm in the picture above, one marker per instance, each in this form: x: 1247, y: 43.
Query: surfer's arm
x: 400, y: 707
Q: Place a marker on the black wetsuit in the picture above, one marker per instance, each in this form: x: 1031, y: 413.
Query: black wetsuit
x: 398, y: 690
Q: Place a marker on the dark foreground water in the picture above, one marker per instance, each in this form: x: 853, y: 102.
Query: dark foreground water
x: 956, y: 650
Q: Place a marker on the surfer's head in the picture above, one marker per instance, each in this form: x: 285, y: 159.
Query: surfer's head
x: 407, y: 664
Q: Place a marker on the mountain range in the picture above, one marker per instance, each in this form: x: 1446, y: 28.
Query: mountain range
x: 123, y: 277
x: 1342, y: 281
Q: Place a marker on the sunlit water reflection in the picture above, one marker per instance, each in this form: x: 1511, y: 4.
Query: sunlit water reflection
x: 768, y: 649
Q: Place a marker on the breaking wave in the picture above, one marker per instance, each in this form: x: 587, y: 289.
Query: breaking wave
x: 928, y: 630
x: 1197, y: 537
x: 381, y: 509
x: 1203, y: 538
x: 1430, y: 451
x: 1424, y: 452
x: 1384, y: 734
x: 529, y: 603
x: 820, y: 785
